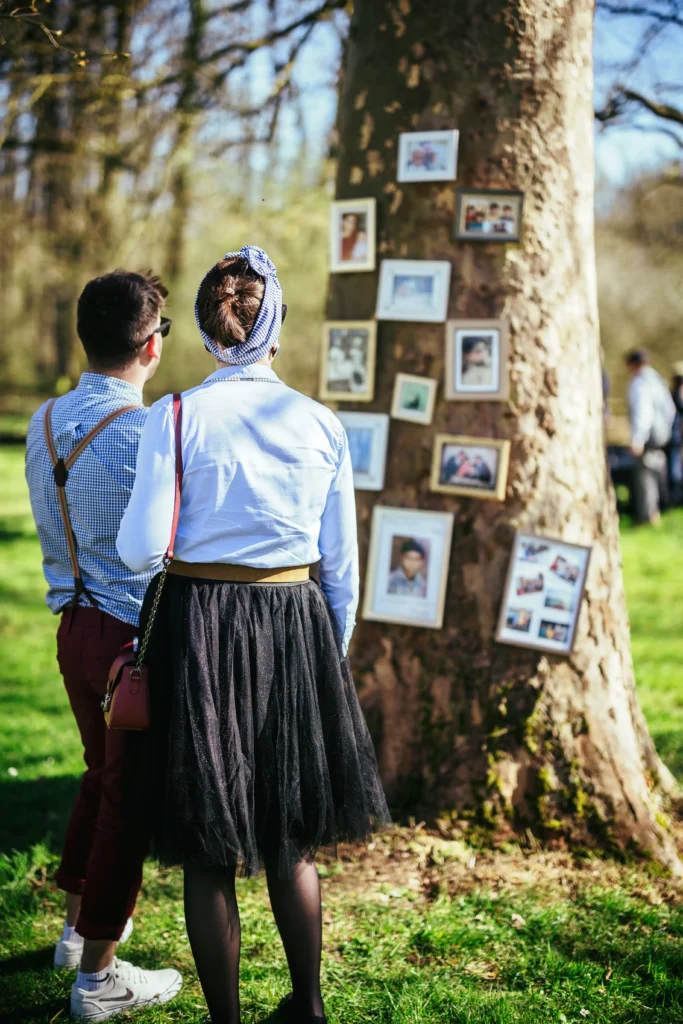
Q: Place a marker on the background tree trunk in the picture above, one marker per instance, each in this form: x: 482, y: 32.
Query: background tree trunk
x: 464, y: 724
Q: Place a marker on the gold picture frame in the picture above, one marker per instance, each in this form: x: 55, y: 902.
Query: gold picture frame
x: 349, y: 336
x: 493, y: 332
x: 480, y: 478
x: 427, y: 385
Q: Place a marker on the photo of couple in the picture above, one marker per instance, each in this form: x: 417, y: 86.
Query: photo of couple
x: 427, y: 156
x: 347, y: 367
x: 475, y: 466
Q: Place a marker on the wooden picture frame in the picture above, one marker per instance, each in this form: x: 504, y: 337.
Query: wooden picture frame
x: 368, y: 437
x: 440, y: 147
x: 483, y: 475
x: 477, y: 221
x: 352, y: 253
x: 491, y: 333
x: 391, y: 595
x: 415, y: 291
x: 424, y: 412
x: 353, y: 342
x: 543, y: 594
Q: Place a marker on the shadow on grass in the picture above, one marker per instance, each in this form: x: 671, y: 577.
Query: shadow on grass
x: 35, y: 811
x: 35, y: 960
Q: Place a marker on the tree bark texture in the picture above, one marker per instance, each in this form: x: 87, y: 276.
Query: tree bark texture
x: 466, y: 726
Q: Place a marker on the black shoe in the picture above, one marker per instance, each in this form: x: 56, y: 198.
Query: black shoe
x: 288, y: 1009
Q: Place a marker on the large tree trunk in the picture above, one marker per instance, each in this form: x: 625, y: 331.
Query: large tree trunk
x: 464, y: 724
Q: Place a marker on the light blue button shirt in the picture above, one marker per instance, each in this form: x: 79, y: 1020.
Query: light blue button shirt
x: 97, y: 491
x: 267, y: 483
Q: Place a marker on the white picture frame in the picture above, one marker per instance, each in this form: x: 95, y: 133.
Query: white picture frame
x: 347, y: 365
x: 408, y: 565
x: 438, y: 152
x: 544, y: 590
x: 465, y: 380
x: 368, y: 437
x: 414, y: 398
x: 416, y: 291
x: 352, y: 253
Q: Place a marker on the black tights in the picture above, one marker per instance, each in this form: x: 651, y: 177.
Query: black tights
x: 213, y: 927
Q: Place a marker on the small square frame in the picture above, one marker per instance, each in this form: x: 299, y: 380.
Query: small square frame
x: 409, y: 416
x: 497, y: 493
x: 406, y: 174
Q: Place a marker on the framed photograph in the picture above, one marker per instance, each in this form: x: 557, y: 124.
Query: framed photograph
x: 347, y: 367
x: 415, y: 290
x: 477, y: 360
x: 488, y: 215
x: 474, y: 467
x: 414, y: 398
x: 368, y: 434
x: 408, y: 566
x: 428, y: 156
x: 352, y: 235
x: 543, y: 593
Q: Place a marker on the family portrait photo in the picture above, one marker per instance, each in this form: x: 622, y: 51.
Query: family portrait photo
x: 414, y: 398
x: 428, y: 156
x: 518, y: 619
x: 413, y: 290
x: 476, y: 360
x: 367, y: 434
x: 347, y: 367
x: 543, y: 593
x: 470, y: 466
x: 408, y: 566
x: 352, y: 235
x: 488, y: 215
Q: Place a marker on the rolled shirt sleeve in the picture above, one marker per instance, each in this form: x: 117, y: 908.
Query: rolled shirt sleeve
x: 145, y: 529
x: 338, y: 543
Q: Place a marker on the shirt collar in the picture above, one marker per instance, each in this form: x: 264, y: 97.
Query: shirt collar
x: 114, y: 387
x: 258, y: 370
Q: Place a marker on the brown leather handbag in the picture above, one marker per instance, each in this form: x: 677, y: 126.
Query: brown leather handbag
x: 126, y: 700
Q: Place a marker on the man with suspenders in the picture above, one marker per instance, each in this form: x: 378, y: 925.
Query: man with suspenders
x: 80, y: 466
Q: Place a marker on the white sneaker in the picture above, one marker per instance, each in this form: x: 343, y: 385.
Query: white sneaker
x: 125, y: 988
x: 68, y: 952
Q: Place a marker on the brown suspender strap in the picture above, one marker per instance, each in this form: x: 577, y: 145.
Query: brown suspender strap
x: 60, y: 471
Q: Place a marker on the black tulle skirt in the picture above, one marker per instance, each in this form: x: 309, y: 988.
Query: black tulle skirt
x: 258, y: 747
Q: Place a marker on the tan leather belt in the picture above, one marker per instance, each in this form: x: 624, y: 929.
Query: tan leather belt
x: 239, y: 573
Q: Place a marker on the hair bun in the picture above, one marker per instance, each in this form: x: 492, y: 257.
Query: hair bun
x: 230, y: 291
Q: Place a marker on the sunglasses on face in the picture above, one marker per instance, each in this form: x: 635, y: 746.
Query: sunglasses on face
x: 163, y: 329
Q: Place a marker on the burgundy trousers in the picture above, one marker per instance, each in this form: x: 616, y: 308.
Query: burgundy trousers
x: 102, y: 860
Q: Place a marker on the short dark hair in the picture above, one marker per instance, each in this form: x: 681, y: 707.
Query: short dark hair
x: 413, y: 545
x: 116, y: 314
x: 229, y: 301
x: 637, y: 357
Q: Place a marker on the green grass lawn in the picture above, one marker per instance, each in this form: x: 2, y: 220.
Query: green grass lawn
x: 417, y: 928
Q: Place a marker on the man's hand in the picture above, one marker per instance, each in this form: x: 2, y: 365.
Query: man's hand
x: 637, y: 449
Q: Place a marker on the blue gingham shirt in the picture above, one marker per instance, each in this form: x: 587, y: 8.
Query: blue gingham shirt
x: 97, y: 492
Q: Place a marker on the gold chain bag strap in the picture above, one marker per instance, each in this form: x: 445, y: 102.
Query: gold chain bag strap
x: 126, y: 701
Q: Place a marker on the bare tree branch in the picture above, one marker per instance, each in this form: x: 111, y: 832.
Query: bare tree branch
x: 638, y: 11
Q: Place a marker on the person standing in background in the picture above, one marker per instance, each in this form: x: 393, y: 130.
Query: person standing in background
x: 676, y: 442
x: 651, y: 415
x: 77, y: 505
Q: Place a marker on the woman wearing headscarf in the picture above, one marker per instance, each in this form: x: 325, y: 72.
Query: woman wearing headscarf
x: 258, y: 752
